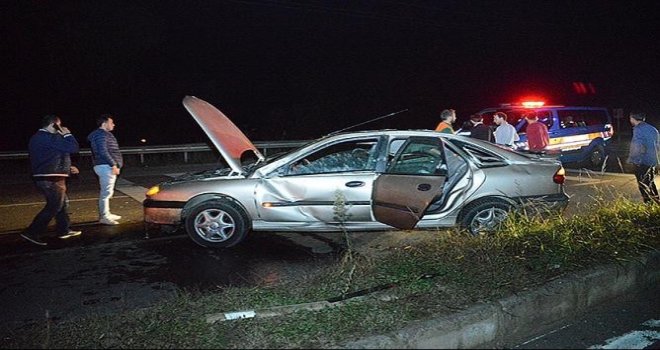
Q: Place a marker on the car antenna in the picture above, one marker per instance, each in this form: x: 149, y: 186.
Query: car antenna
x: 368, y: 121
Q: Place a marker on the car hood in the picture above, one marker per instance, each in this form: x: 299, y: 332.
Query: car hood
x: 226, y: 137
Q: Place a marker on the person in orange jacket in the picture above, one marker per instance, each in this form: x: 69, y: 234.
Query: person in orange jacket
x: 448, y: 117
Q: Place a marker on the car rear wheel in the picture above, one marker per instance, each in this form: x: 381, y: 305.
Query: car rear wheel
x: 217, y: 224
x: 485, y: 217
x: 597, y: 157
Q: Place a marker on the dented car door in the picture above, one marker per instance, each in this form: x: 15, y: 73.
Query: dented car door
x: 331, y: 185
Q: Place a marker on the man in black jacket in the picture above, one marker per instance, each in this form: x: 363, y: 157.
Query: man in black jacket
x: 108, y: 162
x: 479, y: 130
x: 50, y: 148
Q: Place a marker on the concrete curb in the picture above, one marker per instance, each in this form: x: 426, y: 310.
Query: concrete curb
x: 522, y: 316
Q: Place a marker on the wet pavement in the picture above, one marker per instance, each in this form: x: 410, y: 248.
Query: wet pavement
x: 99, y: 276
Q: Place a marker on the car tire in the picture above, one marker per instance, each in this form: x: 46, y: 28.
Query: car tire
x: 217, y: 224
x: 596, y: 157
x: 484, y: 217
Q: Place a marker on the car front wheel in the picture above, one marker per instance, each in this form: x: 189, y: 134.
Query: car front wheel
x: 485, y: 217
x: 217, y: 224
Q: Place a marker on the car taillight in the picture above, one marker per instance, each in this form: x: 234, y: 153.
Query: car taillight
x: 560, y: 176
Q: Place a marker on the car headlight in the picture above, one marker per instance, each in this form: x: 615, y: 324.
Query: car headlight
x: 152, y: 191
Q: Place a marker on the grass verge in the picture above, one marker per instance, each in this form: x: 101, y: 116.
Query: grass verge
x: 441, y: 275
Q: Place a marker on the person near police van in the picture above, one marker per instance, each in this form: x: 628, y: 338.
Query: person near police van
x: 107, y: 164
x: 644, y: 148
x: 50, y: 151
x: 537, y: 134
x: 479, y: 130
x: 505, y: 133
x: 447, y: 117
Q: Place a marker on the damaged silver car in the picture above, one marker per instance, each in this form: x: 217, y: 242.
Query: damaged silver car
x: 353, y: 181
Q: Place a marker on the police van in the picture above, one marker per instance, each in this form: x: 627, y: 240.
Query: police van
x: 577, y: 134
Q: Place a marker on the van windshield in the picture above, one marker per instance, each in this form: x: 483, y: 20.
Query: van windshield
x: 570, y: 118
x: 516, y: 117
x: 567, y: 117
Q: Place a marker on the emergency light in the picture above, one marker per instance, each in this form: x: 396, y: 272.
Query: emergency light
x: 533, y: 104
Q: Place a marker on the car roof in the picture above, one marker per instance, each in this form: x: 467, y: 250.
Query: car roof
x: 425, y: 132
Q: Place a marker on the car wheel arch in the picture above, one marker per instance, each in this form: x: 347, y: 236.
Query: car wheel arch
x: 206, y: 197
x: 501, y: 200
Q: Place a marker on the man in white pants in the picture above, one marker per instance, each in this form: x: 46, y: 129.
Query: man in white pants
x: 107, y: 164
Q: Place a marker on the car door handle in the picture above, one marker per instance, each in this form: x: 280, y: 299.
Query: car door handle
x: 355, y: 184
x: 424, y: 187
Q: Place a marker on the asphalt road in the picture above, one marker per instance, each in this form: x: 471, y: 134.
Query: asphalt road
x: 631, y: 322
x: 111, y: 268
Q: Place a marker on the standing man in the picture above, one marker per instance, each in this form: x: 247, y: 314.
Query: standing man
x: 505, y: 133
x: 479, y: 130
x: 50, y: 151
x: 537, y: 134
x: 107, y: 162
x: 447, y: 117
x: 644, y: 155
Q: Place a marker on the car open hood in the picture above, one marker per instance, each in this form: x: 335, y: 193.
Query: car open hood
x: 227, y: 137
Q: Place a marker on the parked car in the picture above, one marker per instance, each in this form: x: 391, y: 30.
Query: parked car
x: 578, y: 134
x: 354, y: 181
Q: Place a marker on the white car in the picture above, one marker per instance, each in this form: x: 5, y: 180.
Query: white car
x: 354, y: 181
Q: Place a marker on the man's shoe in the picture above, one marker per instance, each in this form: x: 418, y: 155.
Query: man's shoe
x: 113, y: 217
x: 108, y: 221
x: 33, y: 239
x: 70, y: 234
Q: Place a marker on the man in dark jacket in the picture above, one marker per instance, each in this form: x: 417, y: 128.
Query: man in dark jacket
x: 107, y: 164
x: 479, y: 130
x: 644, y: 148
x: 50, y: 148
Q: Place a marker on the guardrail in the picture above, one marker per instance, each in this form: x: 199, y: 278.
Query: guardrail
x: 186, y: 149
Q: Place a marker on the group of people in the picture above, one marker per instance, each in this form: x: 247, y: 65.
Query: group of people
x: 504, y: 134
x: 644, y: 147
x: 50, y: 150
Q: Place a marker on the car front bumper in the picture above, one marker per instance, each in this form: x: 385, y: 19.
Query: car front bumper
x: 161, y: 212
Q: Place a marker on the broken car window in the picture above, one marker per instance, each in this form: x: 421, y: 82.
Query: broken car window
x: 353, y: 155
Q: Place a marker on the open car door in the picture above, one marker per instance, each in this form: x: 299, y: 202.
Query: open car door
x: 413, y: 180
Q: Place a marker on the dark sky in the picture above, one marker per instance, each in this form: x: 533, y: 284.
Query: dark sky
x: 285, y: 69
